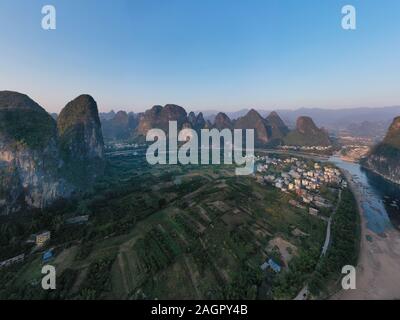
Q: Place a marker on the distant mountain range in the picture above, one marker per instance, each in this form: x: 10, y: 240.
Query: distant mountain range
x: 328, y: 118
x: 359, y: 122
x: 269, y: 131
x: 119, y: 125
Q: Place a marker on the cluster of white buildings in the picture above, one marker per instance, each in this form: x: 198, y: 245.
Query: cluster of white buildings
x: 120, y: 146
x: 307, y: 148
x: 294, y: 175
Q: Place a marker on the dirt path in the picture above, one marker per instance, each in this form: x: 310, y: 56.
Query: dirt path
x: 304, y: 293
x: 329, y: 226
x: 378, y: 270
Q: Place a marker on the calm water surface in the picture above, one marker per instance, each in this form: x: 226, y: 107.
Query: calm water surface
x: 380, y: 198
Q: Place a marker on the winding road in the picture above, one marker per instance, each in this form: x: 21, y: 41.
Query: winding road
x: 303, y: 294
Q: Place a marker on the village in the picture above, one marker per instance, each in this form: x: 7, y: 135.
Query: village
x: 306, y: 148
x: 304, y: 178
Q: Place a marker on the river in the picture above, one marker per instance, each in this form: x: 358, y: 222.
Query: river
x: 378, y: 266
x: 380, y: 198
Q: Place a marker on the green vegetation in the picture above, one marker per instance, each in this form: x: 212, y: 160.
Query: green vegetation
x: 296, y: 138
x: 387, y: 150
x: 77, y: 111
x: 31, y: 127
x: 344, y: 248
x: 168, y: 232
x: 288, y: 284
x: 97, y: 283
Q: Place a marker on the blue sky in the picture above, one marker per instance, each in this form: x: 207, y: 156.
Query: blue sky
x: 203, y: 54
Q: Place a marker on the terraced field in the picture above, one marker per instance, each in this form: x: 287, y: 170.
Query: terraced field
x: 175, y: 232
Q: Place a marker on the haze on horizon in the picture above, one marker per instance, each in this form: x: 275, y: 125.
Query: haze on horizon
x: 202, y: 55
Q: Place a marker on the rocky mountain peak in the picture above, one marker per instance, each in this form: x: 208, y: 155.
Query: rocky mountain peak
x: 81, y: 139
x: 121, y: 117
x: 29, y: 155
x: 278, y: 128
x: 82, y: 110
x: 222, y: 121
x: 253, y: 114
x: 23, y: 121
x: 384, y: 157
x: 174, y: 111
x: 307, y: 134
x: 120, y: 127
x: 306, y: 125
x: 253, y: 120
x: 158, y: 118
x: 200, y: 122
x: 192, y: 118
x: 274, y: 119
x: 16, y: 100
x: 40, y: 164
x: 393, y: 135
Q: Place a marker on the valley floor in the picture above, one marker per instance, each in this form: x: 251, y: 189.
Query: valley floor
x: 172, y: 232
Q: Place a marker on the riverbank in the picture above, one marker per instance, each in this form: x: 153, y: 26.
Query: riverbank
x: 397, y: 182
x: 378, y: 276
